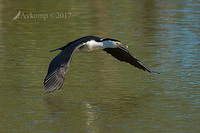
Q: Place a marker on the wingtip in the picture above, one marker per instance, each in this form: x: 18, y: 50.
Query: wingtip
x: 150, y: 71
x: 49, y: 90
x: 51, y: 84
x: 155, y: 72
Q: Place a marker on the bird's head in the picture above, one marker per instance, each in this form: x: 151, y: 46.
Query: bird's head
x: 113, y: 43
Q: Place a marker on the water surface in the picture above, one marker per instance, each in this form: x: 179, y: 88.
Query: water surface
x: 101, y: 94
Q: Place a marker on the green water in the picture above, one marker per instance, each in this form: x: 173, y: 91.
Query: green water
x: 100, y: 93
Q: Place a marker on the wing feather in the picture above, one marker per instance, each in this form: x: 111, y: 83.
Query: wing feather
x: 123, y: 54
x: 60, y: 64
x: 58, y: 69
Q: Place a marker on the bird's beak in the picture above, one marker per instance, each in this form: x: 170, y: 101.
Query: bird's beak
x: 122, y: 45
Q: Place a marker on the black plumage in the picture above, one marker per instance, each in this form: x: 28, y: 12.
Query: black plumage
x: 60, y: 64
x: 123, y: 54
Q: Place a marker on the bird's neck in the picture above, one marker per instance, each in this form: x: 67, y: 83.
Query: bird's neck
x: 108, y: 44
x: 94, y: 45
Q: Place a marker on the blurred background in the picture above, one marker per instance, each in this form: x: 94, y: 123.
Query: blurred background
x: 100, y: 93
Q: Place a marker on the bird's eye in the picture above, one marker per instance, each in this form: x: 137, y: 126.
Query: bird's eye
x: 118, y: 43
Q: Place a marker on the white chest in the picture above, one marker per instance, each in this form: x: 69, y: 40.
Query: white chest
x: 91, y: 45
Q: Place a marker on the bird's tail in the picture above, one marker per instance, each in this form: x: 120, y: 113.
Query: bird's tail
x: 57, y: 49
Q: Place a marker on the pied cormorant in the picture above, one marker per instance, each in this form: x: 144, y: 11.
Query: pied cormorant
x: 60, y: 64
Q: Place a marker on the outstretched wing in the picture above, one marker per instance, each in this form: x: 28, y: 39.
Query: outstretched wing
x: 123, y: 54
x: 58, y: 69
x: 60, y: 64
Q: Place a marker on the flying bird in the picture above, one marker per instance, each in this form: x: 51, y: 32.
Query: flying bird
x: 60, y: 64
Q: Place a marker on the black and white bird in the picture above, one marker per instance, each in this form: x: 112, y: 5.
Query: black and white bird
x: 60, y: 64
